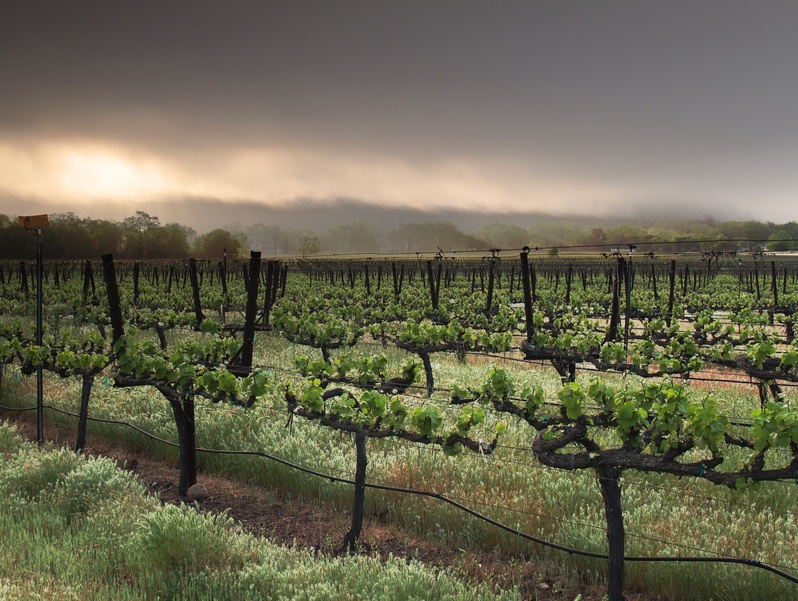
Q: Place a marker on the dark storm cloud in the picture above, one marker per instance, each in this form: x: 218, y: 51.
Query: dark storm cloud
x: 690, y: 101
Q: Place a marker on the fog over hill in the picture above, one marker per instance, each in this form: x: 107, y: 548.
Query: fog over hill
x: 205, y: 214
x: 205, y: 228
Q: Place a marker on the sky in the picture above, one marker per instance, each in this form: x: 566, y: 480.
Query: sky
x: 211, y: 112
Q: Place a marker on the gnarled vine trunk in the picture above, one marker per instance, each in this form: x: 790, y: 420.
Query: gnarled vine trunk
x: 608, y: 478
x: 350, y: 540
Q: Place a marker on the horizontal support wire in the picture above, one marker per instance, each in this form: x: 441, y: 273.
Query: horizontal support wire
x: 399, y: 443
x: 491, y: 252
x: 451, y: 501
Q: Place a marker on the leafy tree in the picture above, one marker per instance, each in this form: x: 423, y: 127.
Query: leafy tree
x: 792, y: 229
x: 624, y: 234
x: 429, y: 236
x: 173, y: 241
x: 503, y: 235
x: 554, y: 233
x: 682, y: 231
x: 309, y: 245
x: 686, y: 244
x: 143, y: 237
x: 780, y: 240
x: 721, y: 243
x: 68, y: 237
x: 105, y: 237
x: 352, y: 238
x: 138, y: 236
x: 272, y: 238
x: 15, y: 242
x: 596, y: 236
x: 746, y: 230
x: 214, y: 243
x: 141, y: 222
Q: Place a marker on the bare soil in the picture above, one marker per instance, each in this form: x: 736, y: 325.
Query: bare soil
x: 302, y: 524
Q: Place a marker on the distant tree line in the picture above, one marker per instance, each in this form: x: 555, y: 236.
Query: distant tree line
x: 142, y: 236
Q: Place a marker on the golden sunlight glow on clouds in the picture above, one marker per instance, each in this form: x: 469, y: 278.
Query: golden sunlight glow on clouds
x: 64, y: 172
x: 61, y: 172
x: 101, y: 175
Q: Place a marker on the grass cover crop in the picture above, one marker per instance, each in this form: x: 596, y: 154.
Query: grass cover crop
x: 75, y: 529
x: 663, y: 516
x: 714, y: 318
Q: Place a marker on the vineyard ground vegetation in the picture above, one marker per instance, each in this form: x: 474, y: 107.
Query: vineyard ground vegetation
x: 663, y: 515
